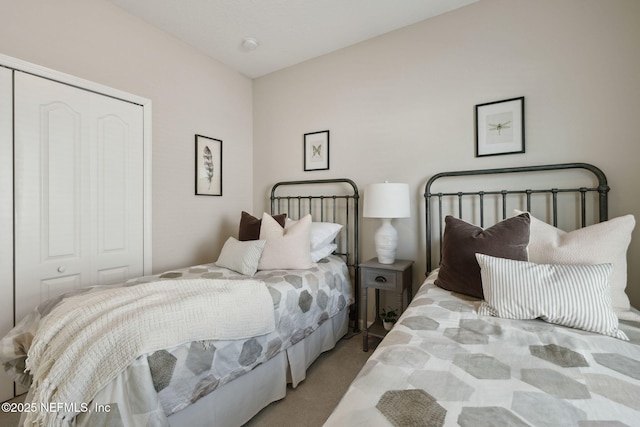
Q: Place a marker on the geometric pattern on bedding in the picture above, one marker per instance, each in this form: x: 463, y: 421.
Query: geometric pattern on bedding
x: 561, y: 356
x: 486, y: 371
x: 161, y: 383
x: 411, y: 408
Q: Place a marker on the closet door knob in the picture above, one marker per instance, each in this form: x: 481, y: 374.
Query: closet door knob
x: 61, y: 269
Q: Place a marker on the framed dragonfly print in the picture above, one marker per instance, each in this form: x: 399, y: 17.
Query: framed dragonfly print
x: 208, y: 166
x: 500, y: 127
x: 316, y: 151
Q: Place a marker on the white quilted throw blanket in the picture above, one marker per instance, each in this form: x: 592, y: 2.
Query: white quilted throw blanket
x: 88, y: 339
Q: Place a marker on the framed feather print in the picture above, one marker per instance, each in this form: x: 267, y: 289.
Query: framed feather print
x: 208, y: 166
x: 316, y: 151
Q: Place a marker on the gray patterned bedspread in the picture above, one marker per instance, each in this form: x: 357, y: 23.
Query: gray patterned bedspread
x: 442, y: 364
x: 159, y: 384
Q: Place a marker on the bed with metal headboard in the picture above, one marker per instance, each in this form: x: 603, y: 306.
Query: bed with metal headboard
x: 543, y: 344
x: 592, y: 183
x: 273, y: 319
x: 326, y: 200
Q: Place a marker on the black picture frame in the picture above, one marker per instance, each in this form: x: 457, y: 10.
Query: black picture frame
x: 316, y: 150
x: 208, y: 166
x: 500, y: 127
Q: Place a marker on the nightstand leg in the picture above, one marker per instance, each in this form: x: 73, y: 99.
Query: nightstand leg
x: 365, y: 333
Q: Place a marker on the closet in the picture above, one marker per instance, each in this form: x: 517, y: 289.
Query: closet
x: 74, y: 188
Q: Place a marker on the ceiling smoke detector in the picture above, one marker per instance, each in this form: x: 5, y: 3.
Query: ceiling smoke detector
x: 249, y: 43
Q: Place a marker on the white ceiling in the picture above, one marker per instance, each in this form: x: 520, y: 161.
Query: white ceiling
x: 288, y: 31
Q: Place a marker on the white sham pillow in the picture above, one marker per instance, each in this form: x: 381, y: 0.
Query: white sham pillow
x: 242, y: 257
x: 322, y: 233
x: 285, y: 248
x: 573, y: 295
x: 602, y: 243
x: 323, y: 252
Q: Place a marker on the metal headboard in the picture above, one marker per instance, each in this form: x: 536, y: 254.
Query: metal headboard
x: 328, y: 200
x: 502, y: 195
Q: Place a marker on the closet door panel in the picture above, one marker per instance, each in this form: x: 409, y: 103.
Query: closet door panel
x: 76, y: 182
x: 119, y: 185
x: 51, y: 244
x: 60, y: 163
x: 6, y: 217
x: 112, y: 142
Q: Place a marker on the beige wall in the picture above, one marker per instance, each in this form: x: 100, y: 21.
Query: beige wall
x: 191, y: 94
x: 400, y: 107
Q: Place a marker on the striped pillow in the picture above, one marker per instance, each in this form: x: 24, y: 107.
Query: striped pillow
x: 576, y: 296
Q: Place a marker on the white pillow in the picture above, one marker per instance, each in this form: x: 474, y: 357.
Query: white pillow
x: 322, y: 233
x: 323, y: 252
x: 573, y: 295
x: 601, y: 243
x: 242, y: 257
x: 285, y: 248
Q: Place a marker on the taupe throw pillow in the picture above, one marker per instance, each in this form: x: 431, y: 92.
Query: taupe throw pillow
x: 459, y: 269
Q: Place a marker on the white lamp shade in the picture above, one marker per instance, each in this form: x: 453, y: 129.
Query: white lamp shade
x: 387, y: 200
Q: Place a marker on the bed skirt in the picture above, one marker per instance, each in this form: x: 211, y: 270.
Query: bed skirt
x: 240, y: 400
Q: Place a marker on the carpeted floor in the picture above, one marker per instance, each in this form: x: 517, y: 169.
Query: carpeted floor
x: 309, y: 404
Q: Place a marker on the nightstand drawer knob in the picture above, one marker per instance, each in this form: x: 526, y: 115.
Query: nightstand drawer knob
x: 381, y: 279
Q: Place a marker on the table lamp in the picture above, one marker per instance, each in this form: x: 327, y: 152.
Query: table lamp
x: 386, y: 201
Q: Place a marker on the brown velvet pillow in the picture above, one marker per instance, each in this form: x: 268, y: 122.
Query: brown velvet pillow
x: 250, y: 226
x: 459, y: 269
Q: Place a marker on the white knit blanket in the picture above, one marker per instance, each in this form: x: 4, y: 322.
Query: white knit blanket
x: 88, y: 339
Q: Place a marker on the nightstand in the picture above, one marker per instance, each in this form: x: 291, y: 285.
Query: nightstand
x: 396, y: 277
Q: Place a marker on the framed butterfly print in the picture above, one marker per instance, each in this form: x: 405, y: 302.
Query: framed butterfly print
x: 208, y: 166
x: 316, y: 151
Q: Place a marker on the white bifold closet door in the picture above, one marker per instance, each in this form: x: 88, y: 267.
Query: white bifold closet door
x: 78, y: 189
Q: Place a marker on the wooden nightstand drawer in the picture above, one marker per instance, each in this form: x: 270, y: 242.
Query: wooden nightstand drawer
x: 380, y: 279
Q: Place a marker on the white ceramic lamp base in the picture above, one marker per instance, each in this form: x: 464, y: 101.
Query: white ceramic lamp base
x: 386, y: 241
